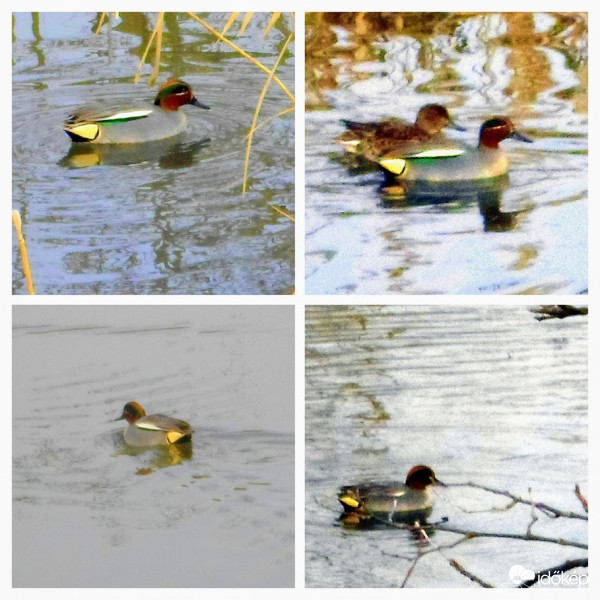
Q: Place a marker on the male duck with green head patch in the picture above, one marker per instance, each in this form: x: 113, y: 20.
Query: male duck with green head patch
x: 437, y: 165
x: 145, y: 431
x: 134, y: 124
x: 390, y: 501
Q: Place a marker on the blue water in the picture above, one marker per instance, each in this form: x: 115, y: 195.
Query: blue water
x: 173, y: 221
x: 529, y: 238
x: 482, y: 394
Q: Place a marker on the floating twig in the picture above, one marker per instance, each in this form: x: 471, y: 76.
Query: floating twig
x: 545, y: 508
x: 456, y: 565
x: 581, y: 498
x: 531, y: 537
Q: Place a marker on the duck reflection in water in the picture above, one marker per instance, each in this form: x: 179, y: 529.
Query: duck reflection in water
x: 171, y: 153
x: 487, y: 194
x: 161, y: 456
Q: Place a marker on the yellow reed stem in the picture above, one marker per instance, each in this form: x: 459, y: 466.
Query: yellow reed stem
x: 138, y: 73
x: 16, y: 219
x: 230, y: 22
x: 245, y: 21
x: 285, y: 111
x: 244, y: 54
x: 159, y: 29
x: 102, y: 17
x: 101, y: 21
x: 282, y: 212
x: 272, y: 22
x: 263, y: 93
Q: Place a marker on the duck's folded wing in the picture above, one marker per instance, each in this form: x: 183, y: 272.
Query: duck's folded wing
x: 395, y: 159
x: 373, y: 126
x: 163, y: 423
x: 103, y: 114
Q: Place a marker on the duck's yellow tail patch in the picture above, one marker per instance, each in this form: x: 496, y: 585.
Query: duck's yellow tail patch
x: 87, y: 131
x: 349, y: 501
x: 394, y: 165
x: 174, y: 436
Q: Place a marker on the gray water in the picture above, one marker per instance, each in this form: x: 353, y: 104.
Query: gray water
x: 88, y: 512
x: 172, y: 220
x: 484, y: 394
x: 529, y: 237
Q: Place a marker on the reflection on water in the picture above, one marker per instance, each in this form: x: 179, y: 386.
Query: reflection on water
x: 480, y: 393
x: 157, y: 457
x: 170, y: 218
x: 428, y: 47
x: 167, y: 154
x: 89, y: 511
x: 486, y: 194
x: 531, y: 67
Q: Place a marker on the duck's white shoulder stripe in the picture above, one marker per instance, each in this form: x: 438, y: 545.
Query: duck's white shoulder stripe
x: 148, y: 425
x: 125, y: 115
x: 438, y: 153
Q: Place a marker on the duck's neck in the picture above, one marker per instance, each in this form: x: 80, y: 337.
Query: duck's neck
x: 170, y: 103
x: 490, y: 139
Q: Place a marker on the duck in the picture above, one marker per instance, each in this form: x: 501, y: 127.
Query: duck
x: 374, y: 139
x: 390, y: 501
x: 152, y: 430
x: 443, y: 164
x: 137, y: 123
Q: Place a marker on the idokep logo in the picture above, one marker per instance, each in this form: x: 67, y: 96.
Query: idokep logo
x: 518, y: 574
x: 564, y: 579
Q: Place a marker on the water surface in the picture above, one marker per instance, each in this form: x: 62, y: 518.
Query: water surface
x: 528, y: 237
x: 88, y: 512
x: 172, y: 219
x: 482, y: 394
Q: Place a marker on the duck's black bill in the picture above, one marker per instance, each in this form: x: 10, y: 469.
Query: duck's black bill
x: 199, y: 104
x: 519, y: 136
x: 453, y: 125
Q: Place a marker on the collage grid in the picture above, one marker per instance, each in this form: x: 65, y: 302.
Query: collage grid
x: 320, y: 321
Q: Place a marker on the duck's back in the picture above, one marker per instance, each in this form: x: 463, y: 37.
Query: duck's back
x: 163, y: 423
